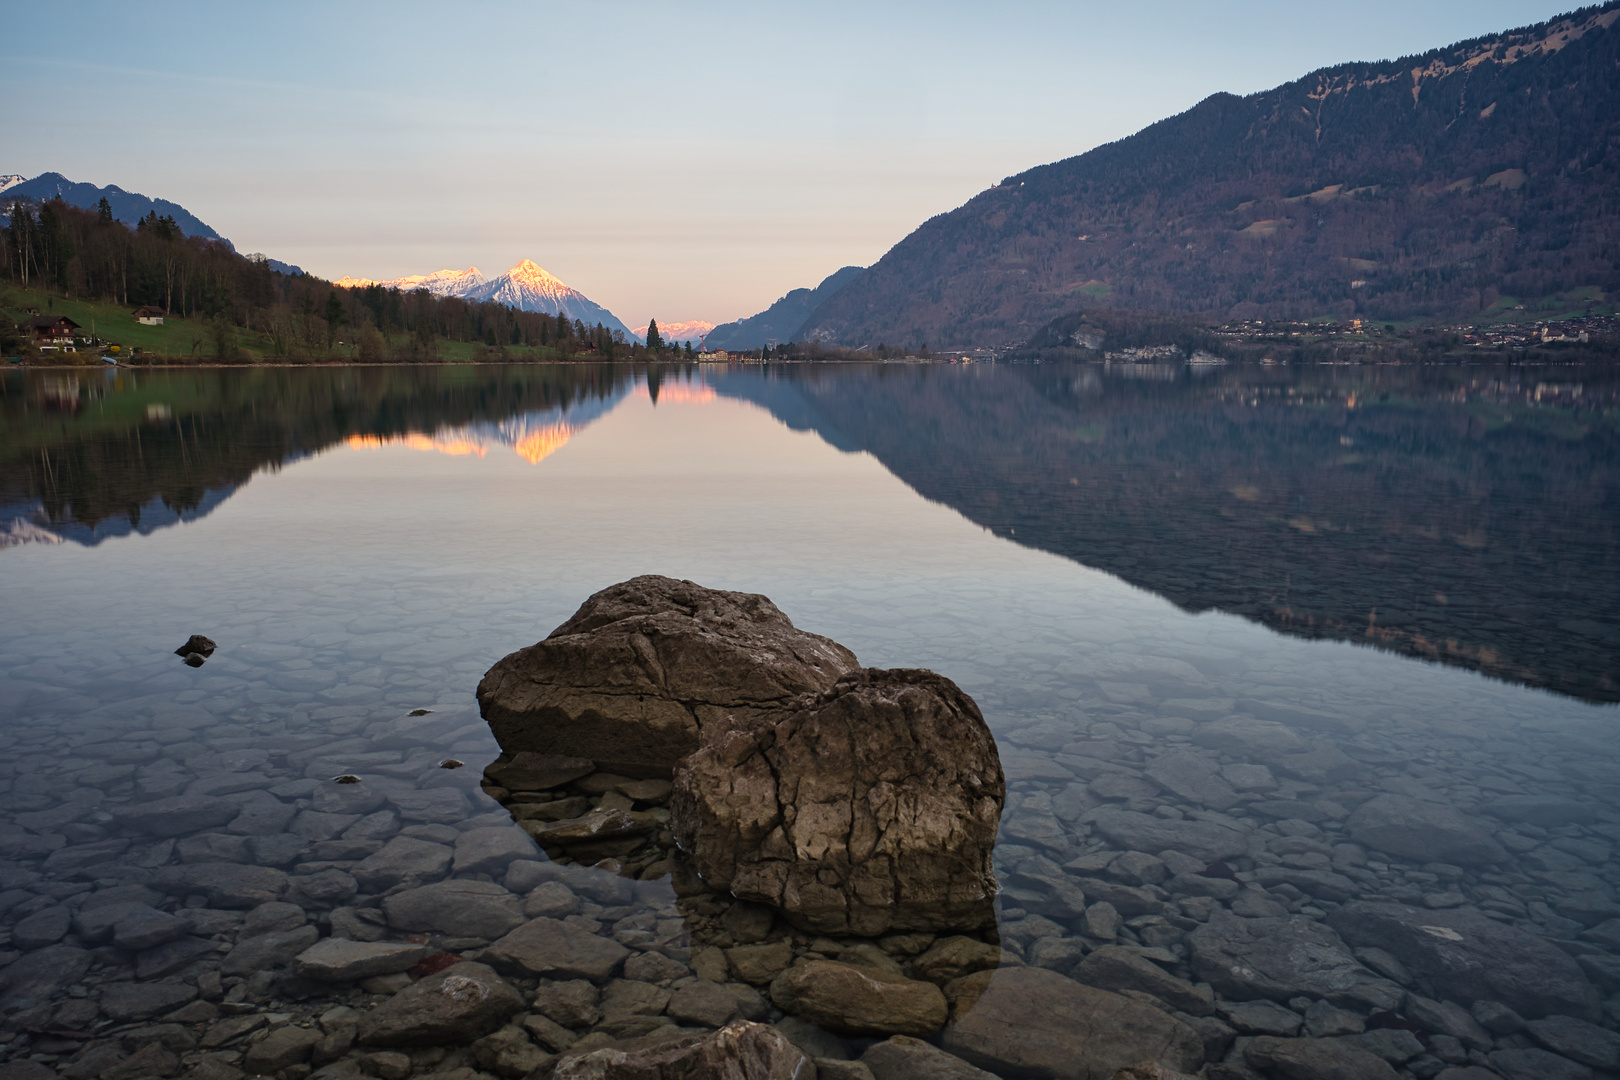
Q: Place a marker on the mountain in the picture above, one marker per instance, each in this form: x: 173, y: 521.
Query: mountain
x: 782, y: 320
x: 528, y: 287
x: 693, y: 330
x: 10, y: 180
x: 127, y: 206
x: 1444, y: 186
x: 439, y: 283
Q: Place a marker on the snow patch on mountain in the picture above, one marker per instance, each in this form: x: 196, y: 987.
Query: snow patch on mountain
x: 526, y: 287
x: 693, y: 330
x: 439, y: 283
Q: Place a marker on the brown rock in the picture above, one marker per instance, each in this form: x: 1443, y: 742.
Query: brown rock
x: 859, y: 1000
x: 457, y: 1005
x: 741, y: 1050
x: 1316, y: 1059
x: 647, y: 665
x: 1034, y: 1022
x: 871, y: 808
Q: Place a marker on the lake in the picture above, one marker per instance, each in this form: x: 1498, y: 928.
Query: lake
x: 1303, y: 681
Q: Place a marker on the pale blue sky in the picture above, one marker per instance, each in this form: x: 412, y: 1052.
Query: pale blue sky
x: 679, y: 161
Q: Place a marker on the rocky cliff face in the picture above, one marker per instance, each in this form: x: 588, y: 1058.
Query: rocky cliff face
x: 1434, y: 185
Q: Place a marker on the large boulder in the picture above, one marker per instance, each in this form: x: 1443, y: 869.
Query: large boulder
x: 872, y: 807
x: 1034, y: 1022
x: 1462, y: 955
x: 646, y: 666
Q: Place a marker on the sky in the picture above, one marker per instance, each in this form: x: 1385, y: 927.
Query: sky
x: 671, y: 161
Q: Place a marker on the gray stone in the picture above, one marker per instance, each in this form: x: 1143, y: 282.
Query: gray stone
x: 571, y: 1003
x: 443, y: 806
x: 176, y: 815
x: 267, y: 951
x: 550, y: 899
x: 1546, y: 811
x: 904, y: 1058
x: 556, y: 950
x: 226, y: 885
x: 284, y: 1046
x: 508, y: 1052
x: 1532, y: 1064
x: 277, y: 849
x: 324, y: 888
x: 144, y: 927
x: 1578, y: 1041
x: 173, y: 956
x: 403, y: 859
x: 126, y: 1001
x: 1316, y: 1059
x: 1283, y: 958
x: 1125, y: 899
x: 1193, y: 777
x: 460, y: 1004
x: 1261, y: 1017
x: 859, y: 1000
x: 529, y: 771
x: 1422, y: 831
x: 952, y: 957
x: 459, y: 908
x: 1244, y: 734
x: 42, y: 928
x: 340, y: 960
x: 1115, y: 968
x: 645, y: 665
x: 1323, y: 1020
x: 1102, y: 921
x: 1447, y: 1018
x: 1395, y: 1045
x: 1204, y: 840
x: 381, y: 825
x: 1462, y: 955
x: 490, y: 850
x: 274, y: 915
x: 262, y: 816
x: 1033, y: 1022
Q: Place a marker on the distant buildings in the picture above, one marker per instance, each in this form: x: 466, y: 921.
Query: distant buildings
x: 52, y: 332
x: 149, y: 315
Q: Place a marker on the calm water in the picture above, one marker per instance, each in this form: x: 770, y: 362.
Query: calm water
x: 1415, y: 573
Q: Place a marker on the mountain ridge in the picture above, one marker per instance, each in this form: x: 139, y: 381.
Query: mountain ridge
x: 1436, y: 186
x: 784, y: 318
x: 127, y: 206
x: 527, y: 286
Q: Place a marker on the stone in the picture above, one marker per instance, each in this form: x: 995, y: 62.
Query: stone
x: 624, y: 999
x: 1193, y: 777
x: 1279, y: 958
x: 271, y: 916
x: 551, y: 899
x: 1545, y: 811
x: 457, y: 1005
x: 701, y: 1002
x: 1466, y: 957
x: 571, y: 1003
x: 24, y: 1069
x: 1578, y: 1041
x: 952, y: 957
x: 489, y: 850
x: 42, y: 928
x: 872, y: 808
x: 459, y: 908
x: 283, y: 1047
x: 267, y: 951
x: 1115, y: 968
x: 644, y: 667
x: 1532, y: 1064
x: 1102, y: 921
x: 176, y: 815
x: 529, y: 771
x: 153, y: 1059
x: 902, y: 1057
x: 742, y: 1050
x: 337, y: 959
x: 1244, y: 734
x: 197, y: 643
x: 441, y: 806
x: 1447, y: 1018
x: 145, y: 927
x: 174, y: 956
x: 325, y: 888
x: 226, y: 885
x: 1033, y: 1022
x: 403, y: 859
x: 854, y: 1000
x: 1422, y: 831
x: 1316, y: 1059
x: 1204, y: 840
x: 655, y: 968
x: 556, y: 950
x: 508, y: 1052
x: 1125, y: 899
x: 1150, y: 1070
x: 1323, y: 1020
x: 759, y: 964
x: 263, y: 816
x: 1261, y: 1017
x: 126, y: 1001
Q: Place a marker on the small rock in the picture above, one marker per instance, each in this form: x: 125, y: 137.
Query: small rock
x: 40, y: 929
x: 283, y: 1047
x: 339, y: 960
x: 704, y: 1003
x: 1578, y: 1041
x: 1316, y: 1059
x: 952, y: 957
x: 1114, y: 968
x: 740, y: 1049
x: 904, y: 1058
x: 403, y: 859
x: 508, y: 1052
x: 458, y: 1005
x: 859, y: 1001
x: 553, y: 949
x: 459, y: 908
x: 571, y: 1003
x: 176, y: 815
x: 1422, y: 831
x: 489, y: 850
x: 1260, y: 1017
x: 127, y: 1001
x: 268, y: 951
x: 759, y: 964
x: 226, y: 885
x: 1532, y: 1064
x: 198, y: 645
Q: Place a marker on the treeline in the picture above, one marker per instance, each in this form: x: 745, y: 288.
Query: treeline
x: 82, y: 254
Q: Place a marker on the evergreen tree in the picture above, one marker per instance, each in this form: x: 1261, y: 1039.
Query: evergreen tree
x: 104, y: 214
x: 654, y: 341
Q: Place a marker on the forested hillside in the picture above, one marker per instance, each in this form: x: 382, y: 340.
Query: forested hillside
x: 1452, y: 185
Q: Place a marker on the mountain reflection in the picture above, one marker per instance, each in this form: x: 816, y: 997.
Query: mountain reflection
x: 89, y: 457
x: 1462, y: 516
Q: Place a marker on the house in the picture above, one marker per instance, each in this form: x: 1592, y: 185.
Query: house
x: 149, y: 315
x: 52, y: 332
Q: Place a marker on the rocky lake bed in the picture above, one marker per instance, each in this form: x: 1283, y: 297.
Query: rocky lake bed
x: 1230, y: 888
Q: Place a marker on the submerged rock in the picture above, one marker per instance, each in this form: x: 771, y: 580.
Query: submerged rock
x: 742, y: 1050
x: 455, y: 1006
x: 854, y: 1000
x: 1034, y: 1022
x: 1423, y: 831
x: 644, y: 667
x: 872, y: 807
x: 197, y: 645
x: 1283, y: 958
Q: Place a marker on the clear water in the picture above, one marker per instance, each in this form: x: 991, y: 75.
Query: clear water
x: 1102, y: 557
